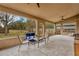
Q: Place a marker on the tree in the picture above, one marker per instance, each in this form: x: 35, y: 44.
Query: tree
x: 6, y: 19
x: 49, y: 25
x: 30, y: 25
x: 19, y: 24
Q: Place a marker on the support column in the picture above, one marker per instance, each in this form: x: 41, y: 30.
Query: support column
x: 43, y: 27
x: 55, y: 28
x: 37, y: 31
x: 77, y: 29
x: 61, y: 29
x: 44, y: 30
x: 77, y: 26
x: 37, y: 27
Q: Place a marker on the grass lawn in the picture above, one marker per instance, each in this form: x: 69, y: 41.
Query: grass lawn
x: 12, y: 33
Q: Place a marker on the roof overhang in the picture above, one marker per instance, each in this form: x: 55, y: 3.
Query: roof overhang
x: 47, y: 12
x: 20, y: 13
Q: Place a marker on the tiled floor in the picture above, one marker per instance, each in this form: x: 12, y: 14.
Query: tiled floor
x: 52, y: 48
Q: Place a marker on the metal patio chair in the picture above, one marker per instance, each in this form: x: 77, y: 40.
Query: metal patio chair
x: 26, y: 39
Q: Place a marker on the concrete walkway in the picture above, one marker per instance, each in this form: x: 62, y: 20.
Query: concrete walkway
x: 54, y: 47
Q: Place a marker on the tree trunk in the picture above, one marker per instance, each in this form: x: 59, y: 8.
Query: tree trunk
x: 6, y: 30
x: 6, y: 25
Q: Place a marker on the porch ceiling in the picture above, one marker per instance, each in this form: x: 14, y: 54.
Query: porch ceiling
x: 50, y: 12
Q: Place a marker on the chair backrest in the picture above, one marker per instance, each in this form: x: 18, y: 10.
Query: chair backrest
x: 30, y: 36
x: 20, y: 40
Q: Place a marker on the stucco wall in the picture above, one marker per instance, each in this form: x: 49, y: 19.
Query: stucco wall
x: 8, y: 42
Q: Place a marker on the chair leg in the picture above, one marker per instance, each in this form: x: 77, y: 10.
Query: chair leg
x: 34, y: 43
x: 19, y: 49
x: 47, y: 39
x: 38, y: 44
x: 28, y: 44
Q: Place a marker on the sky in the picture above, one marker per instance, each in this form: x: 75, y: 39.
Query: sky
x: 17, y: 18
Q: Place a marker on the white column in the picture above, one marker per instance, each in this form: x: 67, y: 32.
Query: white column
x: 55, y: 28
x: 43, y: 28
x: 37, y: 31
x: 37, y: 27
x: 77, y: 26
x: 61, y: 29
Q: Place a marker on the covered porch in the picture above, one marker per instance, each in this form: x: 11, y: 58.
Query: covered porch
x: 51, y: 13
